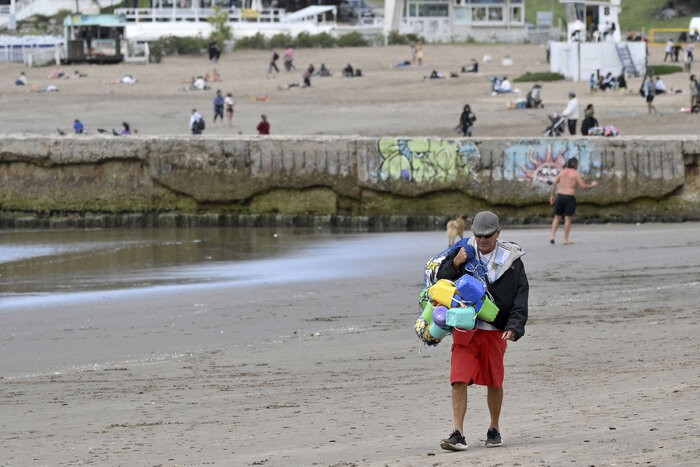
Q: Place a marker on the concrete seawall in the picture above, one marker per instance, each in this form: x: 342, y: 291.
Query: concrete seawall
x: 141, y: 180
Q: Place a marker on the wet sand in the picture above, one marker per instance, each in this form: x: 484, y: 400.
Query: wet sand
x: 331, y: 373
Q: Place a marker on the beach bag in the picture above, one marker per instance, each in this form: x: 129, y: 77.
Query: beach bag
x: 200, y: 124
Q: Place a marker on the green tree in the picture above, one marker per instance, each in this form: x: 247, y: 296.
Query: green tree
x: 222, y: 29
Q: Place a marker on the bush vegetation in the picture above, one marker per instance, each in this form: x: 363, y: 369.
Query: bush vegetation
x: 542, y: 77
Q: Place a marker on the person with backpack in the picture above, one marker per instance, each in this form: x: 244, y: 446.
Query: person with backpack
x: 477, y: 354
x: 196, y: 122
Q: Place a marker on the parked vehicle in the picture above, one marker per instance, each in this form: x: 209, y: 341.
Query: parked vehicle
x: 354, y: 10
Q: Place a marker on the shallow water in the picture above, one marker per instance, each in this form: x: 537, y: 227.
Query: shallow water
x: 35, y: 264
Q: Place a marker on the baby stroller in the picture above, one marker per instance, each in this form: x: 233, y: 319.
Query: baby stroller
x: 557, y: 126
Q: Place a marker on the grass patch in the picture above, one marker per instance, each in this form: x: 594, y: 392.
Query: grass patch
x: 542, y: 77
x: 665, y: 69
x: 635, y: 15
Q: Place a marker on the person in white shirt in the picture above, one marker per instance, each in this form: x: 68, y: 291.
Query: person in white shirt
x: 505, y: 86
x: 571, y: 113
x: 668, y: 50
x: 659, y: 86
x: 196, y: 122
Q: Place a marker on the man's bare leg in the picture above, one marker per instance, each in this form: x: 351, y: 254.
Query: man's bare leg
x: 555, y: 226
x: 567, y: 229
x: 459, y: 405
x: 494, y: 399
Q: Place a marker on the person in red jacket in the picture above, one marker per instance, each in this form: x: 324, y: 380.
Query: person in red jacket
x: 264, y: 126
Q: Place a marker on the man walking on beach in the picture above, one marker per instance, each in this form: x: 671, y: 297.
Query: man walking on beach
x: 219, y: 106
x: 565, y: 200
x: 477, y: 355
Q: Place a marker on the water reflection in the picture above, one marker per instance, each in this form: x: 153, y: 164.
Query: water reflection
x: 44, y: 262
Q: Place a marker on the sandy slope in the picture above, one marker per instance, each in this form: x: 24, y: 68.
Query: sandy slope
x: 387, y: 101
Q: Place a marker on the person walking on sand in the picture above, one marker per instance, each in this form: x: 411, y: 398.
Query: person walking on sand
x: 273, y: 63
x: 564, y: 201
x: 219, y: 106
x: 477, y: 355
x: 571, y: 113
x: 466, y: 121
x: 228, y: 106
x: 649, y: 92
x: 289, y: 58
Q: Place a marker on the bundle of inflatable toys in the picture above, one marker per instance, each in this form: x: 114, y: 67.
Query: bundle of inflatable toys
x: 447, y: 305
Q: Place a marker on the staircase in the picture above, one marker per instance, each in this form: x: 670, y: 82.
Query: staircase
x: 628, y: 66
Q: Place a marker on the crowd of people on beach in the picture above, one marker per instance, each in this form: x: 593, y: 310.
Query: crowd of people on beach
x: 224, y: 104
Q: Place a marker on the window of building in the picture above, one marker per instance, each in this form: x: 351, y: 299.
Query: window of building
x: 435, y: 8
x: 479, y: 14
x: 517, y: 14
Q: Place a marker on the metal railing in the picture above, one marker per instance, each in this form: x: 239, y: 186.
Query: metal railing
x: 270, y: 15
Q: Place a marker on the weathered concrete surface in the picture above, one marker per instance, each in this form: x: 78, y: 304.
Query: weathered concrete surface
x: 640, y: 178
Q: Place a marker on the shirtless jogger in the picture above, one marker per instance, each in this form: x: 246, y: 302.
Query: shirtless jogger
x: 565, y: 201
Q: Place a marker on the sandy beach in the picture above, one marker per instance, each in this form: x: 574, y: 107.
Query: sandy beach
x: 387, y: 101
x: 330, y: 373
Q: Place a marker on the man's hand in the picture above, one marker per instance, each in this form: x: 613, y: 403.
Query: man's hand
x: 508, y: 335
x: 460, y: 258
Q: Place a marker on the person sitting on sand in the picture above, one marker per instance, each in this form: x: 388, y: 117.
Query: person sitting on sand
x: 323, y: 71
x: 504, y: 86
x: 212, y: 77
x: 659, y: 86
x: 436, y: 75
x: 126, y: 129
x: 533, y: 100
x: 56, y: 73
x: 21, y: 79
x: 348, y: 71
x: 473, y: 68
x: 78, y: 127
x: 197, y: 84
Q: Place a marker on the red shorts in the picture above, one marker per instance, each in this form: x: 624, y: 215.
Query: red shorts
x: 477, y: 357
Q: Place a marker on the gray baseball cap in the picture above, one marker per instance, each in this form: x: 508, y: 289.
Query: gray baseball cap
x: 485, y: 223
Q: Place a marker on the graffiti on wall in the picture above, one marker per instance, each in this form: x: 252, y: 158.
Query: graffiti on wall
x: 540, y: 162
x: 426, y: 160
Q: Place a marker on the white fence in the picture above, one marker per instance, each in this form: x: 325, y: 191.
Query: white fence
x: 14, y: 49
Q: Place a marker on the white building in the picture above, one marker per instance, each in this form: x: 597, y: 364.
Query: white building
x: 594, y: 45
x: 457, y: 20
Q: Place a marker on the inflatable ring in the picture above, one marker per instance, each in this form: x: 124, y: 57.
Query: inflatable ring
x: 428, y: 332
